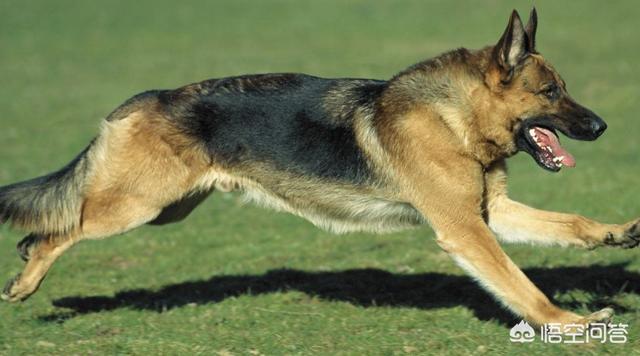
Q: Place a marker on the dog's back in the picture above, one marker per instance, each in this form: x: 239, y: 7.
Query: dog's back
x: 293, y: 122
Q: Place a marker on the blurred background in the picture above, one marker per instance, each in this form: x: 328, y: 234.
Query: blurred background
x: 204, y: 286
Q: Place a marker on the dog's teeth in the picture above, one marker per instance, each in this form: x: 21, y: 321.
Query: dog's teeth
x: 558, y: 161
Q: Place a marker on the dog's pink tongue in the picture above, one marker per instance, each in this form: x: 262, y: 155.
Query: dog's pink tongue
x: 550, y: 139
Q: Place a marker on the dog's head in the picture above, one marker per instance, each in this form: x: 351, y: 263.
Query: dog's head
x: 536, y: 98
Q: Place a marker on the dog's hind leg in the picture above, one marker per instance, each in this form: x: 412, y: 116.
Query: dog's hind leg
x: 104, y: 215
x: 42, y: 256
x: 135, y: 172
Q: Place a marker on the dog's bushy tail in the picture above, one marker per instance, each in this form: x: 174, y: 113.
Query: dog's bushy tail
x: 50, y: 204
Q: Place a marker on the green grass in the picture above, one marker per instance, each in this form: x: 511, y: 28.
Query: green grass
x: 237, y: 279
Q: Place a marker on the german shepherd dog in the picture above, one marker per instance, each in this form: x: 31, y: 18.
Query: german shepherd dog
x: 427, y: 146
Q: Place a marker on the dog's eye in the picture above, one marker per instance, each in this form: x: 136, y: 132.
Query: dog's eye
x: 551, y: 92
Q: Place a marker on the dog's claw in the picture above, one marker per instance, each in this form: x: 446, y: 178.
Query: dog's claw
x: 12, y: 294
x: 7, y: 295
x: 633, y: 235
x: 603, y: 316
x: 630, y: 238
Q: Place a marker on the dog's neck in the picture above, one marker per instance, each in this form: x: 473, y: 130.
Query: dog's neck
x: 453, y: 88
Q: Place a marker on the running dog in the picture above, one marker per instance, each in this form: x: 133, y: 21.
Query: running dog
x: 427, y: 147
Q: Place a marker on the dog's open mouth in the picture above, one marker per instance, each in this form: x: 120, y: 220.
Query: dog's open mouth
x: 547, y: 150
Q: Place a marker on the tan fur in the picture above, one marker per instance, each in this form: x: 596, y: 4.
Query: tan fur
x: 516, y: 222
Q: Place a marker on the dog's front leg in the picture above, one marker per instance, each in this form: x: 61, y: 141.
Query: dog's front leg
x: 447, y: 185
x: 516, y: 222
x: 475, y: 249
x: 450, y: 196
x: 463, y: 234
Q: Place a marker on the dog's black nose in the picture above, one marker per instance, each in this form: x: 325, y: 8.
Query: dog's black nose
x: 598, y: 126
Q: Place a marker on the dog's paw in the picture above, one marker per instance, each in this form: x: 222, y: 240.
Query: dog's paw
x: 604, y: 316
x: 633, y: 232
x: 13, y: 292
x: 629, y: 238
x: 8, y: 290
x: 577, y: 323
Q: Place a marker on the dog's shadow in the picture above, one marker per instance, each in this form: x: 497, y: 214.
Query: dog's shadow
x: 367, y: 288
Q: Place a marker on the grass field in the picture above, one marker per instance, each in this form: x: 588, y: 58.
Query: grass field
x: 240, y: 280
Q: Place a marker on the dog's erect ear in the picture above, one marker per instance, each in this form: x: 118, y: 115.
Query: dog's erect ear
x: 530, y: 30
x: 513, y: 45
